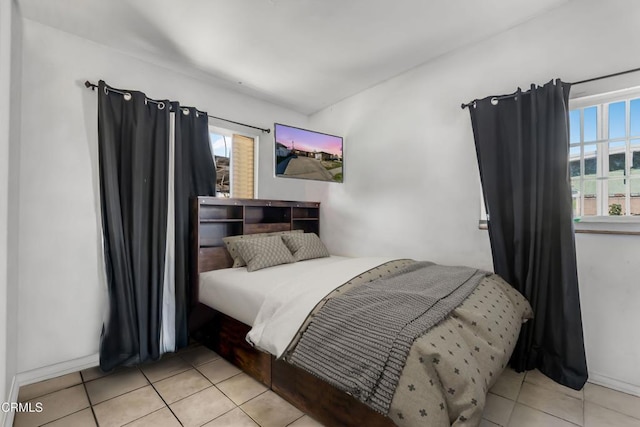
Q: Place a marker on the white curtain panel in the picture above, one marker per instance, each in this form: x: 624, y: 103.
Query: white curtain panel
x: 168, y: 328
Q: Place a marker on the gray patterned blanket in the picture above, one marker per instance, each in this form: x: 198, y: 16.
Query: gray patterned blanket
x: 360, y: 341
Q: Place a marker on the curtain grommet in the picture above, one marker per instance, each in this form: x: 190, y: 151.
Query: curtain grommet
x: 185, y: 111
x: 494, y: 101
x: 106, y: 90
x: 161, y: 105
x: 127, y: 96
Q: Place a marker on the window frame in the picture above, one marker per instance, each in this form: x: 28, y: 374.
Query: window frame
x: 229, y: 132
x: 602, y: 101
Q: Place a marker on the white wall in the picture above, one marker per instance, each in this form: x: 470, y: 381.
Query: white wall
x: 62, y: 294
x: 10, y: 39
x: 14, y: 196
x: 609, y: 275
x: 411, y: 181
x: 5, y: 117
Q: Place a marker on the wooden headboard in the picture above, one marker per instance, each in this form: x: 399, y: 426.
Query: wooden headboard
x: 213, y: 218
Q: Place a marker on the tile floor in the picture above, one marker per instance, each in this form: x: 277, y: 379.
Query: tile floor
x: 196, y: 387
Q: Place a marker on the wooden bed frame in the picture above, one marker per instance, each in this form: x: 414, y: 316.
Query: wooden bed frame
x: 215, y: 218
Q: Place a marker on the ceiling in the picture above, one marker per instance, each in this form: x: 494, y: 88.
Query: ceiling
x: 301, y: 54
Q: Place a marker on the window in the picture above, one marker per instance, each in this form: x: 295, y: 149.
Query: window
x: 604, y: 154
x: 234, y: 156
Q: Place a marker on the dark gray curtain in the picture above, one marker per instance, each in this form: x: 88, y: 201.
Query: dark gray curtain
x: 133, y: 138
x: 522, y: 146
x: 195, y: 175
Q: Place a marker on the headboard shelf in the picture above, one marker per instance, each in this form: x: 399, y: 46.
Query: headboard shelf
x: 208, y: 211
x: 267, y: 214
x: 214, y: 218
x: 300, y: 213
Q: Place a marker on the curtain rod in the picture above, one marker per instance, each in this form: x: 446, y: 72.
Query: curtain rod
x: 94, y: 86
x: 497, y: 98
x: 605, y: 77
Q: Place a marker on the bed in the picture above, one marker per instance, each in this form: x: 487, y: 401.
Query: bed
x: 445, y: 374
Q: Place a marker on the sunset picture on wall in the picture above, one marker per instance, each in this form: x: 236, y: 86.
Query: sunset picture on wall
x: 306, y: 154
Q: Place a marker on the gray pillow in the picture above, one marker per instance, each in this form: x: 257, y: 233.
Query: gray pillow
x: 231, y: 241
x: 305, y: 246
x: 264, y: 252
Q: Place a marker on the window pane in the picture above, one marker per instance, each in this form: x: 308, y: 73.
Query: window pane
x: 574, y: 161
x: 635, y: 116
x: 617, y: 154
x: 590, y: 124
x: 635, y: 196
x: 617, y: 197
x: 575, y: 196
x: 574, y: 126
x: 218, y: 145
x: 617, y: 122
x: 221, y: 149
x: 616, y: 187
x: 590, y: 160
x: 635, y: 157
x: 590, y: 206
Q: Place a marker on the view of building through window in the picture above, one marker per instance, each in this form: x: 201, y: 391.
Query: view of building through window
x: 221, y: 149
x: 604, y: 158
x: 235, y: 163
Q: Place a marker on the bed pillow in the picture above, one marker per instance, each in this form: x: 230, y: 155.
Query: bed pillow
x: 231, y: 241
x: 305, y: 246
x: 264, y: 252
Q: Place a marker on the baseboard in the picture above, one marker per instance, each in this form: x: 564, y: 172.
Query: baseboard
x: 613, y: 384
x: 45, y: 373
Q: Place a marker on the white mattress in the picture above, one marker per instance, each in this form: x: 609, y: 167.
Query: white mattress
x: 240, y: 294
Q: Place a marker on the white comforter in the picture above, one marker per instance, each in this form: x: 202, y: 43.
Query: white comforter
x: 288, y: 305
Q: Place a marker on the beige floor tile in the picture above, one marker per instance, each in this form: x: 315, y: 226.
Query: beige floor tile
x: 202, y: 407
x: 41, y: 388
x: 161, y: 418
x: 192, y: 344
x: 508, y: 384
x: 612, y: 399
x: 487, y: 423
x: 241, y: 388
x: 552, y: 402
x: 597, y: 416
x: 128, y: 407
x: 182, y: 385
x: 55, y: 405
x: 234, y: 418
x: 497, y: 409
x: 538, y: 378
x: 164, y: 368
x: 523, y: 416
x: 198, y: 356
x: 270, y: 410
x: 305, y: 421
x: 114, y: 385
x: 218, y: 370
x: 94, y: 373
x: 82, y: 418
